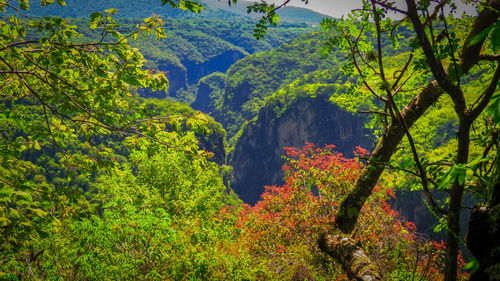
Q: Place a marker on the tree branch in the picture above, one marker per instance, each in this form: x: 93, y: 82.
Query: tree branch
x: 352, y: 256
x: 436, y: 66
x: 486, y: 95
x: 349, y: 209
x: 470, y: 52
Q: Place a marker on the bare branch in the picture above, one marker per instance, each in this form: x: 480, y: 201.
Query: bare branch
x: 495, y: 57
x: 436, y: 66
x: 18, y: 43
x: 403, y: 70
x: 485, y: 97
x: 388, y: 5
x: 375, y: 112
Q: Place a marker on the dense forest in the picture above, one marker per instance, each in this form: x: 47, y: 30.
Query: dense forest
x: 208, y: 140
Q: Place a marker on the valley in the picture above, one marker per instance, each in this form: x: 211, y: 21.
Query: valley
x: 204, y: 140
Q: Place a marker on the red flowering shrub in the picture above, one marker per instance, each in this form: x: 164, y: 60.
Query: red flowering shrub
x: 282, y: 229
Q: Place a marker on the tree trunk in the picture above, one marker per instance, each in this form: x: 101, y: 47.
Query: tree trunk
x: 339, y: 245
x: 351, y: 255
x: 456, y: 194
x: 342, y: 247
x: 483, y: 237
x: 348, y: 213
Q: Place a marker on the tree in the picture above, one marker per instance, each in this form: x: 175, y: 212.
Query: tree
x: 64, y: 97
x: 443, y: 53
x: 281, y: 229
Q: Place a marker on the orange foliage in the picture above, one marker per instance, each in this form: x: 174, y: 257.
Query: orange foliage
x: 281, y: 230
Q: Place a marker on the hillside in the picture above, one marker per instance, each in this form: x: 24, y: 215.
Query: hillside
x: 250, y: 80
x: 146, y: 8
x: 180, y: 148
x: 291, y: 118
x: 196, y: 44
x: 287, y: 14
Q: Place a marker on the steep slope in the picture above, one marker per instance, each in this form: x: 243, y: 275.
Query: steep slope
x: 195, y: 48
x: 210, y: 89
x: 303, y: 112
x: 252, y: 79
x: 213, y: 141
x: 196, y: 44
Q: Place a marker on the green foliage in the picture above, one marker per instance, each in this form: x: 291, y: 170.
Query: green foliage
x: 193, y: 47
x: 281, y: 229
x: 97, y: 184
x: 67, y: 106
x: 438, y: 52
x: 252, y: 79
x: 156, y: 218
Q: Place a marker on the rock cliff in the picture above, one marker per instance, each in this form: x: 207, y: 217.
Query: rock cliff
x: 257, y: 156
x: 210, y: 89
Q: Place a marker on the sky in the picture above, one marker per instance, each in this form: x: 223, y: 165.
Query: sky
x: 337, y: 8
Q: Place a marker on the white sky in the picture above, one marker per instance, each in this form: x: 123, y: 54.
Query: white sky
x: 337, y: 8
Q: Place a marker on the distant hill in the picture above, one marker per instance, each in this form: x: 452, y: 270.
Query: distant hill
x: 196, y: 44
x: 126, y: 9
x: 145, y: 8
x: 287, y: 14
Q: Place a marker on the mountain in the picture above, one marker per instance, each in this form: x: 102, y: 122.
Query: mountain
x: 195, y: 48
x: 210, y: 90
x: 309, y: 110
x: 196, y: 44
x: 287, y: 14
x: 126, y: 9
x: 250, y: 80
x: 146, y: 8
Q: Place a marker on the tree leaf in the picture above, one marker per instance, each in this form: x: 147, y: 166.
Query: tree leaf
x: 480, y: 36
x: 24, y: 4
x: 472, y: 266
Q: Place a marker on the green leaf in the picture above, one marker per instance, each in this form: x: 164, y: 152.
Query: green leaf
x: 461, y: 176
x: 494, y: 107
x: 4, y: 221
x: 191, y: 6
x: 447, y: 178
x: 22, y: 195
x: 40, y: 213
x: 480, y: 36
x: 111, y: 11
x: 94, y: 20
x: 472, y: 266
x: 37, y: 145
x: 24, y: 4
x: 275, y: 19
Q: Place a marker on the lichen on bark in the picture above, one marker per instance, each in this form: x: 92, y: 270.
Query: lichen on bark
x: 351, y: 255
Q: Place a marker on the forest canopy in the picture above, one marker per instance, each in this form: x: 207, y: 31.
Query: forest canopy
x: 97, y: 183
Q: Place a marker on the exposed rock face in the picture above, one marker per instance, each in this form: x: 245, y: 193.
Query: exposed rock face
x: 215, y: 142
x: 210, y: 90
x: 182, y: 73
x: 257, y: 157
x: 219, y: 63
x: 177, y: 78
